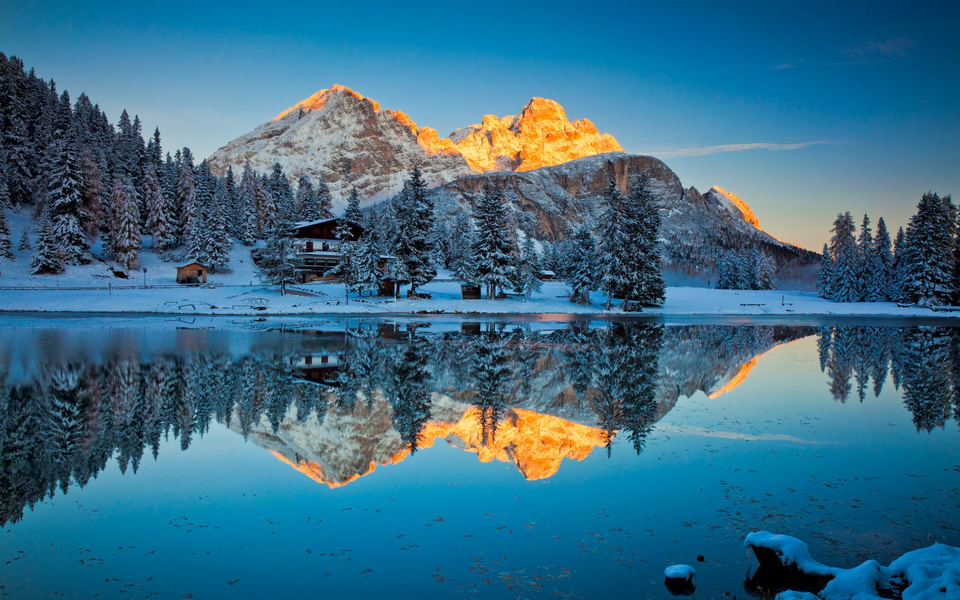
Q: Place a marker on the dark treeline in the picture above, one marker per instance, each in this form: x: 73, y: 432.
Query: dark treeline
x: 919, y: 266
x: 923, y: 362
x: 88, y: 180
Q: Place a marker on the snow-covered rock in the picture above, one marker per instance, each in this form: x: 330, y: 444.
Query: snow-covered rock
x: 932, y: 572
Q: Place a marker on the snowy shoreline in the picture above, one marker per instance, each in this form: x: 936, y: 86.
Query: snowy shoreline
x: 327, y: 299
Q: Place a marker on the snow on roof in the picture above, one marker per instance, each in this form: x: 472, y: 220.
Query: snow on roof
x: 302, y: 224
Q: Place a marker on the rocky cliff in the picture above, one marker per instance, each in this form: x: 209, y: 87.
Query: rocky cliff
x: 348, y: 140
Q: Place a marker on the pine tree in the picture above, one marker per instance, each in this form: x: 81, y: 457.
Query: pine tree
x: 931, y: 243
x: 24, y: 245
x: 91, y: 212
x: 881, y: 263
x: 187, y: 202
x: 247, y: 208
x: 367, y: 264
x: 307, y: 206
x: 5, y: 244
x: 274, y: 260
x: 492, y: 249
x: 461, y: 249
x: 65, y: 198
x: 279, y: 189
x: 48, y: 258
x: 530, y: 277
x: 324, y: 203
x: 157, y: 222
x: 766, y: 272
x: 348, y: 269
x: 843, y: 250
x: 583, y: 266
x: 614, y: 247
x: 864, y: 257
x: 414, y: 220
x: 898, y: 272
x: 643, y: 231
x: 126, y: 243
x: 217, y: 239
x: 825, y: 276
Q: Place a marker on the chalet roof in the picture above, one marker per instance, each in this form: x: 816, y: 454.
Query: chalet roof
x: 193, y: 264
x: 302, y: 224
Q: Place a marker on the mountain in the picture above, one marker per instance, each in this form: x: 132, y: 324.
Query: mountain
x: 549, y: 166
x: 694, y: 227
x: 349, y: 141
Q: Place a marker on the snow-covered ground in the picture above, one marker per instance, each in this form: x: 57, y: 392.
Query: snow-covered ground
x: 237, y: 290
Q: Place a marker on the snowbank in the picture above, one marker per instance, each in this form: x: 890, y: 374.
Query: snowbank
x: 932, y: 572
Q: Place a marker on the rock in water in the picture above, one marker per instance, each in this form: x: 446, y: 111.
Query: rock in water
x: 679, y: 580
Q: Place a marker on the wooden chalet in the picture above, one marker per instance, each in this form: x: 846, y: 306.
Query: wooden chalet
x: 192, y: 273
x: 317, y: 250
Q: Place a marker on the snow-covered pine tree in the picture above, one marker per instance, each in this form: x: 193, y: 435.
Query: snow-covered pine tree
x: 642, y: 230
x: 24, y: 245
x: 843, y: 250
x: 187, y: 202
x: 231, y: 208
x: 367, y: 264
x: 5, y: 202
x: 898, y: 272
x: 91, y: 212
x: 878, y: 287
x: 931, y: 261
x: 439, y: 237
x: 48, y: 258
x: 530, y: 277
x: 414, y: 220
x: 279, y: 189
x: 21, y: 157
x: 5, y: 243
x: 65, y: 199
x: 583, y: 265
x: 218, y: 238
x: 825, y: 275
x: 348, y: 269
x: 126, y: 243
x: 275, y: 259
x: 246, y: 215
x: 492, y: 249
x: 158, y: 219
x: 266, y: 208
x: 766, y: 272
x: 463, y: 263
x: 864, y: 257
x: 307, y: 207
x: 614, y: 248
x: 324, y: 203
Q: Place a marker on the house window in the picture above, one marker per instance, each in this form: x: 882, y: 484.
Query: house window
x: 199, y: 272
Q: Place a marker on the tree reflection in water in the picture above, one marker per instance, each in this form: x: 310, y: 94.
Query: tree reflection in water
x: 65, y: 418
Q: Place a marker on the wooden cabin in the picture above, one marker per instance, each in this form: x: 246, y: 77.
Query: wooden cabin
x: 192, y: 273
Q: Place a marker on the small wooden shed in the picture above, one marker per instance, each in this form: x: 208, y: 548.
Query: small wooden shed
x: 192, y: 273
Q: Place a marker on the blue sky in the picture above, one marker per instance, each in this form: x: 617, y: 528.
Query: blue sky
x: 857, y: 104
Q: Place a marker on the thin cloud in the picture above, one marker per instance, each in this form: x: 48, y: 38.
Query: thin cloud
x: 892, y: 48
x: 707, y: 150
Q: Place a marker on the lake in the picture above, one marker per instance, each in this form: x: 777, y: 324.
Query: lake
x: 463, y: 458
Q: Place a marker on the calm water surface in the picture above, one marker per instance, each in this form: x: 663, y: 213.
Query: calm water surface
x: 453, y: 459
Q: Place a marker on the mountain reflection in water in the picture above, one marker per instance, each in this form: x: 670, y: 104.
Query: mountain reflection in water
x: 334, y: 404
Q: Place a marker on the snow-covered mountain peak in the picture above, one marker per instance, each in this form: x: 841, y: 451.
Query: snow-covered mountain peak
x: 733, y: 203
x: 348, y: 140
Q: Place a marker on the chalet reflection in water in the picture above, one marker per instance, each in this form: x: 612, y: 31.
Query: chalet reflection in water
x: 335, y: 404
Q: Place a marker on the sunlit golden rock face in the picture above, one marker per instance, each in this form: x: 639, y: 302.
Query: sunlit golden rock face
x: 540, y: 136
x: 352, y: 443
x: 349, y: 141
